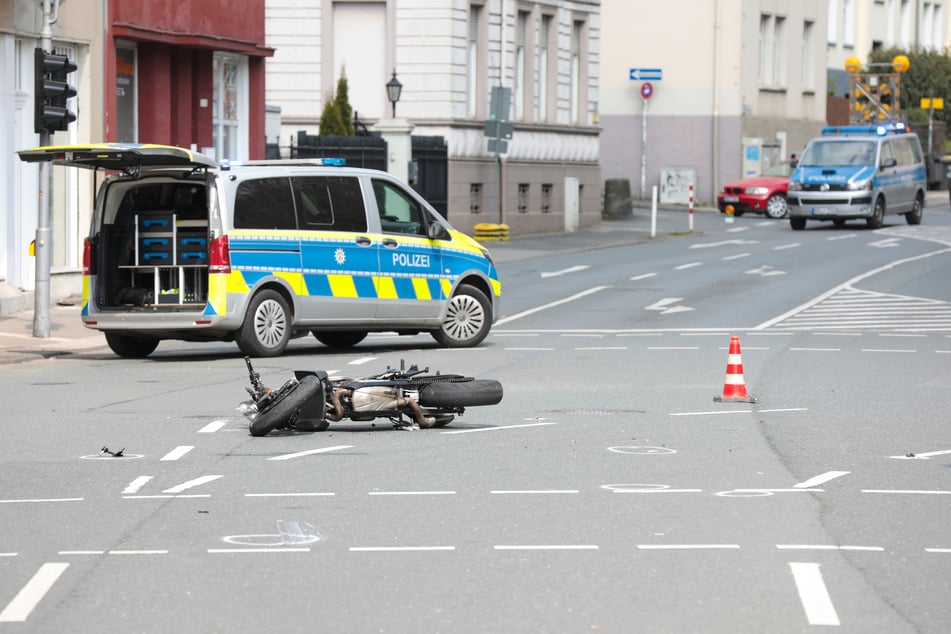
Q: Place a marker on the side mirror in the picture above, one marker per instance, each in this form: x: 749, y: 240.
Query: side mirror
x: 438, y: 231
x: 889, y: 162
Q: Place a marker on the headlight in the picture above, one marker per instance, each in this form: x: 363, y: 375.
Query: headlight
x: 757, y: 191
x: 860, y: 185
x: 795, y: 186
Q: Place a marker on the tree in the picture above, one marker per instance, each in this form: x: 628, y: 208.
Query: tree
x: 337, y: 116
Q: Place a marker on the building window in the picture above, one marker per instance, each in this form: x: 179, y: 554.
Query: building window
x: 546, y: 198
x: 577, y: 84
x: 833, y: 13
x: 126, y: 96
x: 475, y: 198
x: 848, y: 23
x: 807, y: 56
x: 543, y: 68
x: 475, y: 16
x: 779, y: 51
x: 772, y: 50
x: 523, y: 198
x: 229, y: 101
x: 904, y: 24
x: 931, y: 25
x: 521, y: 32
x: 764, y: 21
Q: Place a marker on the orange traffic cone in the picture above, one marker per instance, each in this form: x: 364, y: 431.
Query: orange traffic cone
x: 734, y: 386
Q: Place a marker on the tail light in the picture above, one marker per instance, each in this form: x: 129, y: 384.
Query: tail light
x: 88, y: 253
x: 219, y: 256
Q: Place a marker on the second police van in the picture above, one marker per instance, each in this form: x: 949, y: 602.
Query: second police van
x: 260, y: 252
x: 859, y: 172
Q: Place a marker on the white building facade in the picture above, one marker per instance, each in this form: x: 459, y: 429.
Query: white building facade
x: 743, y: 85
x: 448, y: 55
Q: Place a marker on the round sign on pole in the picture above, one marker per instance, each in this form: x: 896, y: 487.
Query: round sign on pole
x: 647, y: 89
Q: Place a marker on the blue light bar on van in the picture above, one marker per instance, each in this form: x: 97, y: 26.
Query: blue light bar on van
x: 895, y: 127
x: 334, y: 161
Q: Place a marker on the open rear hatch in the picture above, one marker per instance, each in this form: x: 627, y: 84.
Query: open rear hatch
x: 120, y: 157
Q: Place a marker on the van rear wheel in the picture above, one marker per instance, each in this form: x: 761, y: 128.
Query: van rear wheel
x: 131, y: 346
x: 913, y: 217
x: 266, y: 330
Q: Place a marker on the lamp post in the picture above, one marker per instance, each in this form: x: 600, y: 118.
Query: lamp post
x: 393, y: 90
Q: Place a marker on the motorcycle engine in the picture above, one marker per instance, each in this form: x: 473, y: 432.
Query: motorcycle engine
x: 375, y: 398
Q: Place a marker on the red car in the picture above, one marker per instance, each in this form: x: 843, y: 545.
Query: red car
x: 765, y: 194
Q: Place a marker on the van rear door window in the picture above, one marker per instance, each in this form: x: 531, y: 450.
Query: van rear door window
x: 264, y: 203
x: 330, y: 203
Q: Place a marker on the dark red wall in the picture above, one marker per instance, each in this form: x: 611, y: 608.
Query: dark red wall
x: 176, y: 42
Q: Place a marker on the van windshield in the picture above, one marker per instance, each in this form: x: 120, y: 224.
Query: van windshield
x: 838, y: 152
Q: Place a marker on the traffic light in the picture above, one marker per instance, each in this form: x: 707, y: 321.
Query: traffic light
x: 51, y: 91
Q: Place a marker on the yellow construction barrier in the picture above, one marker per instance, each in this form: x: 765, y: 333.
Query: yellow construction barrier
x: 488, y: 231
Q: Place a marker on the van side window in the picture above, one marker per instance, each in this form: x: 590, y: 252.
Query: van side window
x: 887, y: 153
x: 398, y: 212
x: 330, y: 203
x: 903, y: 151
x: 264, y: 203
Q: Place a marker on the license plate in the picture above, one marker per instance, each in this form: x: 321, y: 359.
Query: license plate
x: 731, y: 199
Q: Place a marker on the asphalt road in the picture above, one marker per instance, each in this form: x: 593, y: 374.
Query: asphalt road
x: 607, y: 492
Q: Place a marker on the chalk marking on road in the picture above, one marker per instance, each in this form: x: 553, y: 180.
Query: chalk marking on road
x: 643, y: 276
x: 923, y: 456
x: 288, y: 495
x: 876, y: 549
x: 309, y: 452
x: 217, y: 551
x: 813, y: 594
x: 19, y: 609
x: 134, y: 486
x: 570, y: 269
x: 532, y: 491
x: 537, y: 309
x: 192, y: 483
x: 688, y: 546
x: 362, y: 360
x: 398, y: 549
x: 546, y: 547
x: 40, y: 500
x: 907, y: 491
x: 178, y: 452
x: 820, y: 479
x: 213, y: 426
x: 411, y: 493
x: 471, y: 431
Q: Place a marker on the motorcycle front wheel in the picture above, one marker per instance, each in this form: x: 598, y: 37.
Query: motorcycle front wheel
x: 461, y: 393
x: 286, y: 405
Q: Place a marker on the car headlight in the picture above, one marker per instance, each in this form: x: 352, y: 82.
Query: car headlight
x: 795, y: 187
x: 860, y: 185
x: 757, y: 191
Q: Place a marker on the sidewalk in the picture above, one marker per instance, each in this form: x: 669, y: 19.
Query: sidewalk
x: 68, y: 335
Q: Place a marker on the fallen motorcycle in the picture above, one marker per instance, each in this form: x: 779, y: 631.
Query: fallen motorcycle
x: 412, y: 398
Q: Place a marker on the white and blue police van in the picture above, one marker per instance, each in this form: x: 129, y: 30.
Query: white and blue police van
x: 261, y: 252
x: 859, y: 172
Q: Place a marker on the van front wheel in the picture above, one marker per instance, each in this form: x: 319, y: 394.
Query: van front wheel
x: 877, y: 219
x: 266, y: 329
x: 468, y: 319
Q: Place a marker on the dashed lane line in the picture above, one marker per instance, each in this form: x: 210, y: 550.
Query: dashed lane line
x: 177, y: 453
x: 310, y: 452
x: 504, y: 427
x: 813, y: 594
x: 19, y: 609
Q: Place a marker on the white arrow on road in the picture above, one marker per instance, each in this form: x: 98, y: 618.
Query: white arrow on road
x: 663, y: 305
x: 570, y: 269
x: 885, y: 243
x: 765, y: 270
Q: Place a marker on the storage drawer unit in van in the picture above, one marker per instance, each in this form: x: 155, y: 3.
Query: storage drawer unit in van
x: 191, y: 247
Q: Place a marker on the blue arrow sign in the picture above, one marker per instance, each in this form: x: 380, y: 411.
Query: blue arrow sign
x: 646, y: 74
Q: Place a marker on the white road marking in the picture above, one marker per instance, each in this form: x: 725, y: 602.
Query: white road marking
x: 165, y: 497
x: 815, y: 349
x: 547, y: 547
x: 310, y: 452
x: 537, y: 309
x: 530, y: 349
x: 177, y: 453
x: 212, y: 427
x: 8, y: 554
x: 791, y: 245
x: 887, y: 350
x: 906, y: 491
x: 192, y: 483
x: 664, y: 306
x: 533, y: 491
x: 688, y: 546
x: 641, y: 277
x: 820, y: 479
x: 135, y: 485
x: 673, y: 347
x: 938, y: 550
x: 398, y: 549
x: 603, y: 348
x: 42, y: 500
x: 570, y: 269
x: 215, y: 551
x: 766, y: 271
x: 288, y: 495
x: 138, y: 552
x: 738, y: 256
x: 411, y: 493
x: 844, y: 236
x: 19, y: 609
x: 813, y: 594
x: 885, y: 243
x: 924, y: 456
x: 721, y: 243
x: 689, y: 265
x: 470, y: 431
x: 81, y: 552
x: 876, y: 549
x: 730, y: 411
x: 362, y: 360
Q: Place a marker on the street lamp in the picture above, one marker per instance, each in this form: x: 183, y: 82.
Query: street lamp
x: 393, y: 90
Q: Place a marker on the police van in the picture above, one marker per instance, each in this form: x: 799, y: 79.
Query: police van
x: 856, y: 171
x: 261, y: 252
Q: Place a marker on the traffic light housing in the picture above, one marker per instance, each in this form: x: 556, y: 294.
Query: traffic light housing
x: 51, y: 90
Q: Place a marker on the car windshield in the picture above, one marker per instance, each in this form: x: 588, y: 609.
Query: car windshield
x: 838, y: 152
x: 782, y: 169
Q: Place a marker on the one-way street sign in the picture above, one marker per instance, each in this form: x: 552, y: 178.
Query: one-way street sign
x: 646, y: 74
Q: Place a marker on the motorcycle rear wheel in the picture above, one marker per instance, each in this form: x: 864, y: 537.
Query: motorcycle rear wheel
x: 286, y: 406
x: 461, y: 393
